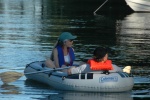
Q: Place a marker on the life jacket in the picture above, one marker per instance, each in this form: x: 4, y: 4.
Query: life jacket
x: 107, y: 65
x: 61, y: 56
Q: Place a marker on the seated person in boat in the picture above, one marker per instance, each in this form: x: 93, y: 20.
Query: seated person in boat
x: 99, y: 62
x: 63, y: 53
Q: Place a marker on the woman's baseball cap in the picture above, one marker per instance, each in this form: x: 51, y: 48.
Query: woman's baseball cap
x: 66, y: 36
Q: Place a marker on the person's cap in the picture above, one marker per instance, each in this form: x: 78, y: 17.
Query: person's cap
x: 66, y: 36
x: 100, y: 52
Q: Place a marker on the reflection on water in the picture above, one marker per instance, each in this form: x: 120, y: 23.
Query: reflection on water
x: 134, y: 36
x: 29, y: 29
x: 89, y: 96
x: 9, y: 89
x: 19, y: 23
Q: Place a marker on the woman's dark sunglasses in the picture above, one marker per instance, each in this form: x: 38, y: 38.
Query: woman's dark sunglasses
x: 71, y: 40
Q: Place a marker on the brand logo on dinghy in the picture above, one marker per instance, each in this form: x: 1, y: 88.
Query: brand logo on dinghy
x: 108, y: 79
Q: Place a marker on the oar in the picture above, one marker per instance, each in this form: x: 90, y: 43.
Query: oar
x: 11, y: 76
x: 55, y: 69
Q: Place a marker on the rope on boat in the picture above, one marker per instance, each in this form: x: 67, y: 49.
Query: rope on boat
x: 99, y: 7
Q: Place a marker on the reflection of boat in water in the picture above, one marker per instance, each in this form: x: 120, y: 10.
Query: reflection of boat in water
x: 90, y: 96
x: 139, y: 5
x: 133, y: 36
x: 89, y: 82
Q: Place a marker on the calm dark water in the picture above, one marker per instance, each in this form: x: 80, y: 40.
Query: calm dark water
x: 29, y: 29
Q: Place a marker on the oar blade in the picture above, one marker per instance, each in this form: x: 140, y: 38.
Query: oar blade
x: 10, y: 76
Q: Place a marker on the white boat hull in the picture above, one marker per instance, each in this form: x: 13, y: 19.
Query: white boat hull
x: 139, y: 5
x: 89, y: 82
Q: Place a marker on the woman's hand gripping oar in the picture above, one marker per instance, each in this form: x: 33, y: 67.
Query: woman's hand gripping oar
x: 11, y: 76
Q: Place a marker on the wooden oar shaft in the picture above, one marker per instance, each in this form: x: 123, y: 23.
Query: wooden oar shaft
x: 38, y: 72
x: 49, y: 70
x: 11, y: 76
